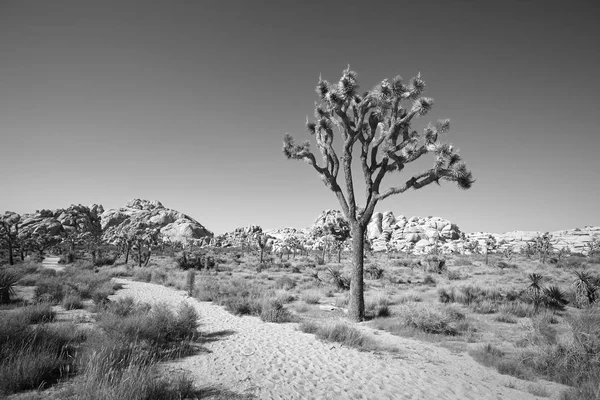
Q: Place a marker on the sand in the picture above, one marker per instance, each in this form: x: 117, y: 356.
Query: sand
x: 277, y: 361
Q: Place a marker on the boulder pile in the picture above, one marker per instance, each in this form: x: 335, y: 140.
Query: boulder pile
x: 143, y: 214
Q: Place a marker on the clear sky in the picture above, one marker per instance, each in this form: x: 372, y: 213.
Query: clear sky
x: 186, y: 103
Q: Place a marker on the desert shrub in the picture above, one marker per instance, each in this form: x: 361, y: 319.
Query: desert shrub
x: 461, y: 261
x: 37, y: 313
x: 161, y: 329
x: 374, y: 272
x: 506, y: 318
x: 427, y: 319
x: 49, y: 290
x: 274, y: 311
x: 468, y: 294
x: 285, y: 283
x: 83, y: 265
x: 339, y: 333
x: 429, y: 280
x: 105, y: 259
x: 517, y: 308
x: 454, y: 275
x: 311, y: 297
x: 100, y: 294
x: 72, y: 302
x: 574, y: 362
x: 379, y: 308
x: 491, y: 356
x: 436, y: 264
x: 410, y: 297
x: 485, y: 307
x: 240, y: 305
x: 143, y: 275
x: 506, y: 265
x: 8, y: 280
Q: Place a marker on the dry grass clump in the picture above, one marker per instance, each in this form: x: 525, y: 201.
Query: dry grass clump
x: 491, y: 356
x: 574, y: 360
x: 311, y: 297
x: 379, y: 308
x: 274, y: 311
x: 467, y: 294
x: 339, y: 333
x: 36, y: 313
x: 447, y: 321
x: 119, y: 362
x: 34, y: 356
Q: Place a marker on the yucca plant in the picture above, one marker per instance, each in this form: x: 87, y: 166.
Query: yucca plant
x: 7, y: 283
x: 336, y: 277
x: 554, y: 298
x: 535, y: 290
x: 585, y: 290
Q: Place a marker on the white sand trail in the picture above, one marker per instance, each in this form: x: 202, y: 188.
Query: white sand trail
x: 277, y: 361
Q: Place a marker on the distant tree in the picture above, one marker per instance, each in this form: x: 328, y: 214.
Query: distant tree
x: 490, y: 245
x: 41, y: 239
x: 9, y: 232
x: 378, y: 122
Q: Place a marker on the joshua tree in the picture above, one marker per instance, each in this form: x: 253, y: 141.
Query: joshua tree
x: 490, y: 244
x: 586, y: 293
x: 9, y: 232
x: 262, y: 241
x: 378, y: 123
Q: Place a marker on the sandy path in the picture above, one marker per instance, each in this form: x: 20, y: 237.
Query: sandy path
x: 52, y: 263
x: 276, y: 361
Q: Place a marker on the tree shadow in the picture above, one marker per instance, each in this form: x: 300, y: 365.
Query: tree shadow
x: 217, y: 393
x: 215, y: 336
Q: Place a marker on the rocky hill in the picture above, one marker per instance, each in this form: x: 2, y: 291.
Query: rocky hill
x: 76, y: 218
x: 143, y: 214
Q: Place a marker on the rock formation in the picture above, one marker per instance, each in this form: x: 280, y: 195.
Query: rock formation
x: 143, y: 214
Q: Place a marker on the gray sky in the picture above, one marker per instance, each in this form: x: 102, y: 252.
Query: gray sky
x: 187, y: 102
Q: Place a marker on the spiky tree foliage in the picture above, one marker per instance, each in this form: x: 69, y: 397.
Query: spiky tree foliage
x: 554, y: 298
x: 8, y: 280
x: 586, y: 292
x: 9, y: 232
x: 535, y: 289
x: 378, y: 122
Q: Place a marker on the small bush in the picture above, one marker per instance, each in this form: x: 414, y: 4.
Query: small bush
x: 427, y: 319
x: 429, y: 280
x: 49, y: 290
x: 311, y: 297
x: 339, y: 333
x: 454, y: 275
x: 506, y: 265
x: 143, y: 275
x: 285, y: 283
x: 37, y: 313
x: 274, y: 311
x: 374, y: 272
x: 72, y: 302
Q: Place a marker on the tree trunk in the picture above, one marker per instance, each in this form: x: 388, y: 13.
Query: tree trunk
x: 11, y: 260
x: 340, y: 255
x: 127, y: 254
x: 148, y: 257
x: 139, y: 255
x: 356, y: 307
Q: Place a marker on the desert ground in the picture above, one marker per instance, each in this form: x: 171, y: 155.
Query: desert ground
x: 459, y: 329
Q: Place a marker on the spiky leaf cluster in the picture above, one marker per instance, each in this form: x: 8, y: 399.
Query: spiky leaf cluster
x: 379, y: 123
